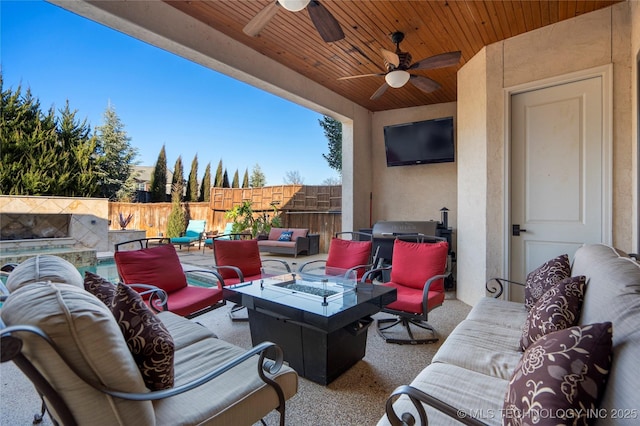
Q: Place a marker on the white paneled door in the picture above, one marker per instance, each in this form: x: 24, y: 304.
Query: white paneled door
x: 557, y: 170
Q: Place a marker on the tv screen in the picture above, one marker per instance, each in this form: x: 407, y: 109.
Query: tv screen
x: 422, y: 142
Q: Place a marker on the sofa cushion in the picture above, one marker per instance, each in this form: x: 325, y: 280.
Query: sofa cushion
x: 557, y: 309
x: 44, y: 268
x: 158, y: 266
x: 503, y: 313
x: 147, y: 338
x: 274, y: 233
x: 542, y: 278
x: 414, y: 263
x: 285, y: 236
x: 243, y: 254
x: 298, y: 233
x: 561, y: 377
x: 101, y: 288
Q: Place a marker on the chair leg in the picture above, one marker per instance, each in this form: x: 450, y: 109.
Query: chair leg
x: 406, y: 322
x: 233, y: 313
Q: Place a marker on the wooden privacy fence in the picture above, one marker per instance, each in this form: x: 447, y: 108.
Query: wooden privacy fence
x: 318, y: 208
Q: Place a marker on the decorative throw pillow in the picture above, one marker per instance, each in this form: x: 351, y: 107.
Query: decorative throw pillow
x: 557, y: 309
x: 285, y: 236
x: 545, y: 276
x: 147, y: 338
x: 101, y: 288
x: 560, y: 377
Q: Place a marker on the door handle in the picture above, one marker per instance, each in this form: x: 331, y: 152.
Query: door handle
x: 515, y: 230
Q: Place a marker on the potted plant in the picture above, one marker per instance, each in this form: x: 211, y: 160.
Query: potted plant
x: 124, y: 221
x: 245, y: 219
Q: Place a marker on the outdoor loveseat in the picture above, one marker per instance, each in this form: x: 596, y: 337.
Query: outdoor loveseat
x: 290, y: 241
x: 95, y: 364
x: 582, y: 374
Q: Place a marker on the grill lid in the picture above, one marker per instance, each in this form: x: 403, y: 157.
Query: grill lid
x: 389, y: 229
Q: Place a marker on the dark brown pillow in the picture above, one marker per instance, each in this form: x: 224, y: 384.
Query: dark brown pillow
x: 557, y: 309
x: 560, y: 377
x: 147, y: 338
x: 544, y: 277
x: 101, y: 288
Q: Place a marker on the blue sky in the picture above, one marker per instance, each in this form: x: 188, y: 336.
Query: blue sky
x: 160, y: 98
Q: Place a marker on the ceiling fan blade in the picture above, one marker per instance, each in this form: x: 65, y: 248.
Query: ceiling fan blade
x: 328, y: 26
x: 262, y: 18
x: 380, y: 91
x: 438, y: 61
x: 380, y: 74
x: 390, y: 57
x: 424, y: 83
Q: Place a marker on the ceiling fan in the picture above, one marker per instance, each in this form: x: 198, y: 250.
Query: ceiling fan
x: 328, y: 26
x: 399, y: 64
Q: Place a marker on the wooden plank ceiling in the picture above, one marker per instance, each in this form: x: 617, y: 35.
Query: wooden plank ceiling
x: 430, y: 27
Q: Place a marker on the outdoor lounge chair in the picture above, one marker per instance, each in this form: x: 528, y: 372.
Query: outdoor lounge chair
x: 193, y: 234
x: 84, y: 357
x: 418, y: 270
x: 158, y: 266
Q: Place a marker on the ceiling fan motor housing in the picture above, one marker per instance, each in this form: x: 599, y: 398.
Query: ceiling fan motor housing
x: 405, y: 62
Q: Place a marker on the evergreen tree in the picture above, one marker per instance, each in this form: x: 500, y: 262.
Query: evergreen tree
x: 176, y: 223
x: 205, y: 187
x: 236, y: 180
x: 218, y: 181
x: 333, y: 132
x: 257, y: 179
x: 192, y: 183
x: 177, y: 183
x: 116, y: 157
x: 245, y: 179
x: 225, y: 179
x: 159, y: 178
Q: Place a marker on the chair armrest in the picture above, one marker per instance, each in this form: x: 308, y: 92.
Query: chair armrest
x: 265, y: 365
x: 233, y: 268
x: 498, y: 288
x: 302, y: 243
x: 279, y: 261
x: 156, y: 295
x: 371, y: 272
x: 417, y: 398
x: 219, y: 280
x: 311, y: 262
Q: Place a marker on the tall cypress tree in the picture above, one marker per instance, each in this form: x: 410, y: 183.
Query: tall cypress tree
x: 225, y: 179
x: 218, y: 182
x: 177, y: 183
x: 236, y: 180
x: 205, y: 186
x: 245, y: 179
x: 159, y: 178
x: 192, y: 183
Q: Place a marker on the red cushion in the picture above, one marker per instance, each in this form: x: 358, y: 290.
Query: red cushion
x: 243, y: 254
x: 410, y: 299
x: 191, y: 299
x: 158, y: 266
x: 345, y: 254
x: 412, y: 264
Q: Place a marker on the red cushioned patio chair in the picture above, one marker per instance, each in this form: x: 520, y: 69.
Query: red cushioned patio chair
x: 418, y: 269
x: 239, y: 261
x: 346, y: 255
x: 157, y: 265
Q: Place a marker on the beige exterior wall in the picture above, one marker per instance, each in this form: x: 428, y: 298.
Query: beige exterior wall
x: 635, y: 116
x: 588, y: 41
x: 415, y: 192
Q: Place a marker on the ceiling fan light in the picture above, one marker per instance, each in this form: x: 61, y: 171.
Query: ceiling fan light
x: 397, y: 78
x: 294, y: 5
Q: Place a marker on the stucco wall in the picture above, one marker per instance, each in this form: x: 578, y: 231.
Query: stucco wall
x: 590, y: 40
x: 416, y: 192
x: 635, y: 115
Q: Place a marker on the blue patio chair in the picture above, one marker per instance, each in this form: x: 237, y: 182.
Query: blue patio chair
x: 193, y: 234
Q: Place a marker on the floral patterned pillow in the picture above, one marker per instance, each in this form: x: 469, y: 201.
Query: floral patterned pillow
x: 101, y: 288
x: 557, y: 309
x: 147, y: 338
x: 560, y: 378
x: 544, y: 277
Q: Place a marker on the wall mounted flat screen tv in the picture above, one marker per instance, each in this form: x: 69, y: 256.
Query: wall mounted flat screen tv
x: 422, y: 142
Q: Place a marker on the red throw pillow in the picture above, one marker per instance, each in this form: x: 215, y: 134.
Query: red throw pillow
x: 158, y: 266
x: 413, y: 264
x: 345, y: 254
x: 243, y: 254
